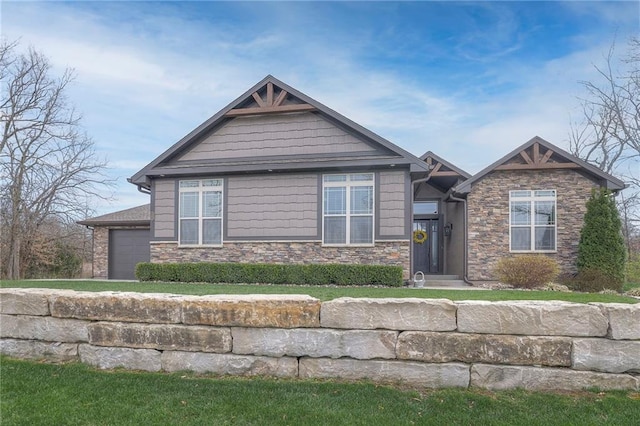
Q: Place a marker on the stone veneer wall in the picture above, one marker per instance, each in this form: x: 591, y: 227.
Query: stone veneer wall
x: 488, y: 212
x: 422, y: 342
x: 382, y: 253
x: 100, y: 252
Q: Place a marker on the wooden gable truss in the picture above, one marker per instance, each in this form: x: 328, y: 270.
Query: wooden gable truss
x: 270, y: 99
x: 531, y: 158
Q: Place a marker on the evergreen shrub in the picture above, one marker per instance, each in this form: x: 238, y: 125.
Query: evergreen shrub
x: 267, y: 273
x: 593, y: 281
x: 601, y: 245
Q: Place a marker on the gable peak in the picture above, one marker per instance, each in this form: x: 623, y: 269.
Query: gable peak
x: 269, y: 97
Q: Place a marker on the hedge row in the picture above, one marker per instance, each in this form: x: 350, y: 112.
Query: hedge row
x: 318, y: 274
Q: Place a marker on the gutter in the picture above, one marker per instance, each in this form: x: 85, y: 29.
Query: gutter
x: 143, y: 190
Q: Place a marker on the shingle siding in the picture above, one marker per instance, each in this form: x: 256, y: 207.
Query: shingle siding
x: 164, y: 210
x: 392, y: 203
x: 277, y: 206
x: 278, y: 135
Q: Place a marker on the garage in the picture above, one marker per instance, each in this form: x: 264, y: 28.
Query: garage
x: 120, y: 241
x: 127, y: 248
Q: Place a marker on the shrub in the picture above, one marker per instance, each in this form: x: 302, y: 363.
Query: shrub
x: 601, y: 245
x: 632, y: 269
x: 311, y: 274
x: 527, y: 271
x: 593, y: 281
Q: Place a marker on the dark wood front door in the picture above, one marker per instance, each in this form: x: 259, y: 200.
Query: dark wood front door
x: 426, y: 255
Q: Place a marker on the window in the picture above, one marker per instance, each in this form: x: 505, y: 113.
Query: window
x: 347, y: 209
x: 200, y: 220
x: 425, y: 207
x: 532, y: 218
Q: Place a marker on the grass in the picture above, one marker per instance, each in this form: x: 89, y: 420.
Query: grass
x: 630, y: 285
x: 321, y: 292
x: 74, y: 394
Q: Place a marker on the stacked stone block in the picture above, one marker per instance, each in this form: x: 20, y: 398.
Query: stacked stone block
x: 394, y: 253
x: 422, y: 342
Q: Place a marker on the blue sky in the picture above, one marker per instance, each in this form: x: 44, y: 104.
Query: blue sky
x: 469, y: 81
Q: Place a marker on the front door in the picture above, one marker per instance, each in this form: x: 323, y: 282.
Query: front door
x: 426, y: 252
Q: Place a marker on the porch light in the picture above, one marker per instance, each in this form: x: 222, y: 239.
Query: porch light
x: 447, y: 229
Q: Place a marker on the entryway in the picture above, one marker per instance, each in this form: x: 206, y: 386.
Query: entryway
x: 427, y: 253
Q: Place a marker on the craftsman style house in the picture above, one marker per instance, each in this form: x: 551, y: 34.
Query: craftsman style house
x: 278, y: 177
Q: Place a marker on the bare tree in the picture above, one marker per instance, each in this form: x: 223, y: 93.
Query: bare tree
x: 609, y: 133
x: 48, y: 165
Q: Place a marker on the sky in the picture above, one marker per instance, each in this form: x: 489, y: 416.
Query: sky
x: 470, y: 81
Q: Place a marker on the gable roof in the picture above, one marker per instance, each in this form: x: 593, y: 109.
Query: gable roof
x: 140, y: 215
x: 448, y: 165
x: 553, y: 158
x: 262, y: 99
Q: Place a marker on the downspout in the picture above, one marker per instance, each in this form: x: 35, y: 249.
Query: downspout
x: 465, y: 278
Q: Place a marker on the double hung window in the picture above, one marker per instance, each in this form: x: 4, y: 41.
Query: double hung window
x: 348, y: 209
x: 532, y: 219
x: 200, y: 221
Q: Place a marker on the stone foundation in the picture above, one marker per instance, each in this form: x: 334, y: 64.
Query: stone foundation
x: 424, y: 343
x: 394, y: 253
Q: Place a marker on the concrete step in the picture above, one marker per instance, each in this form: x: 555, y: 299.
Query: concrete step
x: 441, y: 278
x: 445, y: 283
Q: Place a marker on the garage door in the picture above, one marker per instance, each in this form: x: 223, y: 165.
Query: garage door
x: 127, y: 247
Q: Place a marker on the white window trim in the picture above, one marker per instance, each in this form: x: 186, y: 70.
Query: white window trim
x: 200, y: 189
x: 532, y: 199
x: 348, y: 184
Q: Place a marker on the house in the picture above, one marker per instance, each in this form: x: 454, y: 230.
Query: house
x: 276, y: 176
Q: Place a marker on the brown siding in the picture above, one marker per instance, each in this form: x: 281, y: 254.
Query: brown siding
x: 281, y: 134
x: 272, y: 206
x: 164, y: 208
x: 488, y: 204
x: 392, y: 203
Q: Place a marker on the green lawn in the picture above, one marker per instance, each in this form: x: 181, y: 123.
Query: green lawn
x: 74, y: 394
x: 320, y: 292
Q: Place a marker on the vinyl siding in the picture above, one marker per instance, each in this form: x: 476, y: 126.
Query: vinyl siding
x: 279, y: 206
x: 275, y: 135
x: 164, y: 208
x: 392, y: 203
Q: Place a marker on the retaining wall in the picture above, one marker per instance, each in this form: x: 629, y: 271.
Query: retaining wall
x: 423, y: 342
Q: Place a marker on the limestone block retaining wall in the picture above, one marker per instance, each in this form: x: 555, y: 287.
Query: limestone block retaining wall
x: 422, y: 342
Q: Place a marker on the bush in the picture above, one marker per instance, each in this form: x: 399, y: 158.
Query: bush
x: 601, y: 245
x: 593, y: 281
x: 527, y: 271
x: 632, y: 269
x: 312, y: 274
